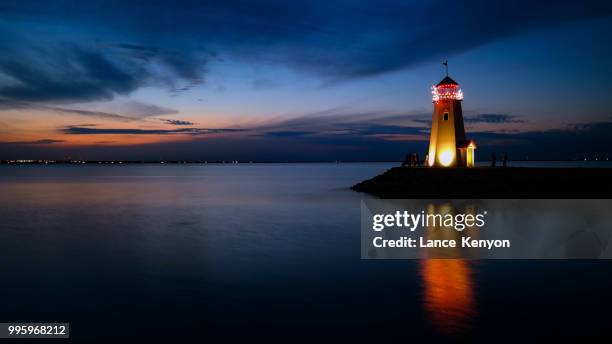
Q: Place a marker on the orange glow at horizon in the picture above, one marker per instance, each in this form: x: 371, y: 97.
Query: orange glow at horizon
x: 103, y: 139
x: 29, y: 127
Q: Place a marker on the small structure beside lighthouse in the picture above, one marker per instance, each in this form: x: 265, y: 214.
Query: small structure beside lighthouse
x: 448, y: 146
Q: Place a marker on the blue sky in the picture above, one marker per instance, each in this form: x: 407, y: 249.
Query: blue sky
x: 271, y: 80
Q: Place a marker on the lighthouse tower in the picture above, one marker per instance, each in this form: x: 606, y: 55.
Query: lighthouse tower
x: 448, y: 146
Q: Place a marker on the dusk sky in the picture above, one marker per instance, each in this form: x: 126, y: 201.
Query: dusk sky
x: 300, y: 80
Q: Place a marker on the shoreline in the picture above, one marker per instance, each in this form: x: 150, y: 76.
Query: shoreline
x: 229, y: 162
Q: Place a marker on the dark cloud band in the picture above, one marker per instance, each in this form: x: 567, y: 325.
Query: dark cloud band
x: 35, y: 142
x: 75, y: 130
x: 169, y: 44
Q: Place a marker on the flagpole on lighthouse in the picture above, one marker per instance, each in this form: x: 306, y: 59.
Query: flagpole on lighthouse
x: 445, y: 63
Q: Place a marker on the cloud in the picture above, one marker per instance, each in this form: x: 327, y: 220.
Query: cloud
x: 475, y: 119
x: 411, y: 131
x: 364, y: 143
x: 87, y: 113
x: 130, y: 111
x: 110, y: 48
x: 141, y: 110
x: 337, y: 122
x: 59, y: 73
x: 492, y: 118
x: 574, y: 142
x: 65, y: 69
x: 77, y: 130
x: 288, y: 133
x: 36, y: 142
x: 379, y: 136
x: 175, y: 122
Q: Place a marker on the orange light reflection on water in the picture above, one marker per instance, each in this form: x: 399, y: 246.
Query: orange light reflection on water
x: 448, y: 294
x: 448, y: 286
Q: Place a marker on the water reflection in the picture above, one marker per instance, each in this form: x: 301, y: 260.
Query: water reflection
x: 448, y: 284
x: 448, y: 295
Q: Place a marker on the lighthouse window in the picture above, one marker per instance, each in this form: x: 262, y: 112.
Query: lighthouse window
x: 446, y: 116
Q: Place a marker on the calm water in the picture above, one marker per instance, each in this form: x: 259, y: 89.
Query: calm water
x: 240, y: 250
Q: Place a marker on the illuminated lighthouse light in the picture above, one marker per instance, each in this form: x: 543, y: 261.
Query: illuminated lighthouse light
x: 446, y: 92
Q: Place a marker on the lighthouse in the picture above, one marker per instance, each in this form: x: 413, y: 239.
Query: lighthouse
x: 448, y: 146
